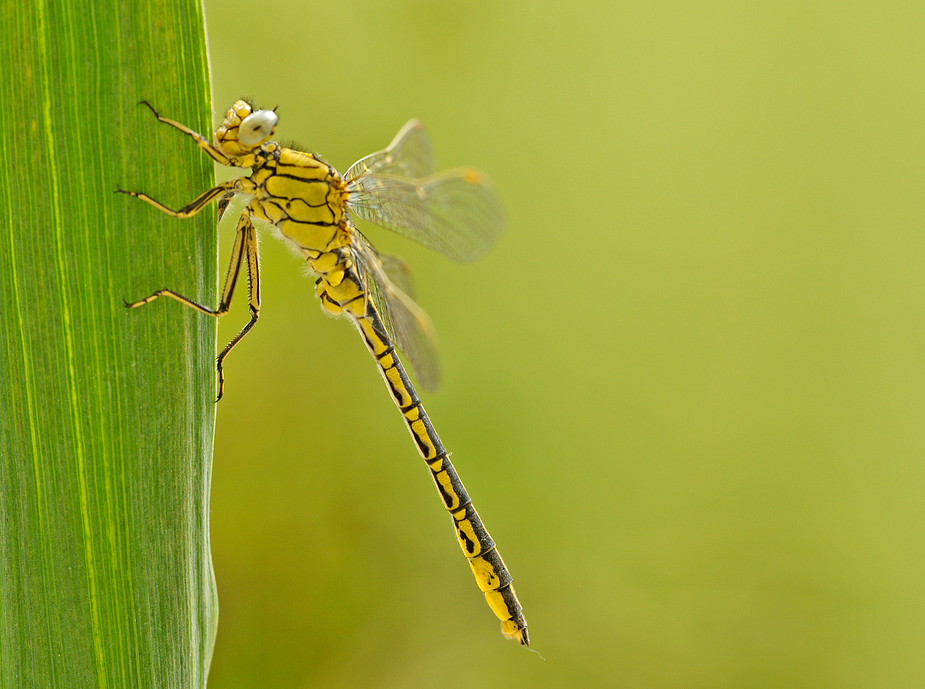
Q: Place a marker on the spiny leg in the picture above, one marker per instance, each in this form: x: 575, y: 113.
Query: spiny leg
x: 200, y: 140
x: 224, y: 202
x: 225, y: 190
x: 234, y: 270
x: 245, y: 248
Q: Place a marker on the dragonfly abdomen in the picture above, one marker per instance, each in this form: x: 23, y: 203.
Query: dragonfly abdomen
x: 491, y: 574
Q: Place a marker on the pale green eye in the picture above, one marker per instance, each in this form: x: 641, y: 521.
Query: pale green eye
x: 257, y: 127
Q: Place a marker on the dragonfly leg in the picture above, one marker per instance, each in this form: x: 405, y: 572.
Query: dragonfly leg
x: 225, y: 189
x: 244, y: 252
x: 224, y: 202
x: 200, y: 140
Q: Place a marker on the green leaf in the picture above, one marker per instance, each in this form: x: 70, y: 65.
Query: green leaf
x: 106, y: 415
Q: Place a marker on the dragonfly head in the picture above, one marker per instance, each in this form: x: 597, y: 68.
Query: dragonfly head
x: 245, y: 129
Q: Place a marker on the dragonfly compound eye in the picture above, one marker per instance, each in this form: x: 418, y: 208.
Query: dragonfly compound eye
x: 257, y: 127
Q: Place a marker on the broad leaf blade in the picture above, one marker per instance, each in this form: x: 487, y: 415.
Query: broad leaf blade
x: 106, y: 418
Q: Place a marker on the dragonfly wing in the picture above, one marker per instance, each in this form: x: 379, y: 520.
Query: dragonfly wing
x: 409, y: 155
x: 406, y: 323
x: 456, y: 212
x: 398, y: 272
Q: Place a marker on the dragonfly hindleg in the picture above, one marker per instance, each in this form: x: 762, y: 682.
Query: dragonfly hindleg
x: 243, y: 253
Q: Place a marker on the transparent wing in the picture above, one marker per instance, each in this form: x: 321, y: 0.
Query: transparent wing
x: 398, y: 272
x: 406, y: 323
x: 456, y: 213
x: 409, y: 155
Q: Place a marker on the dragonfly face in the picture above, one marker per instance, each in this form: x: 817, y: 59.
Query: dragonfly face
x: 244, y: 129
x: 455, y: 213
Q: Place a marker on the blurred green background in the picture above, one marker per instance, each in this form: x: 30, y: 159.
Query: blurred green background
x: 685, y: 389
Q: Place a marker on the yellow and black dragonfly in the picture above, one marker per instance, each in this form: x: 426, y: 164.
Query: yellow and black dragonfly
x: 306, y: 200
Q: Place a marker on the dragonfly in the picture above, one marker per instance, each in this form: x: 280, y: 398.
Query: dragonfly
x: 306, y: 202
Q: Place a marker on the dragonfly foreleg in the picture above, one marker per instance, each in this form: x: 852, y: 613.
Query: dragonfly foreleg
x: 200, y: 140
